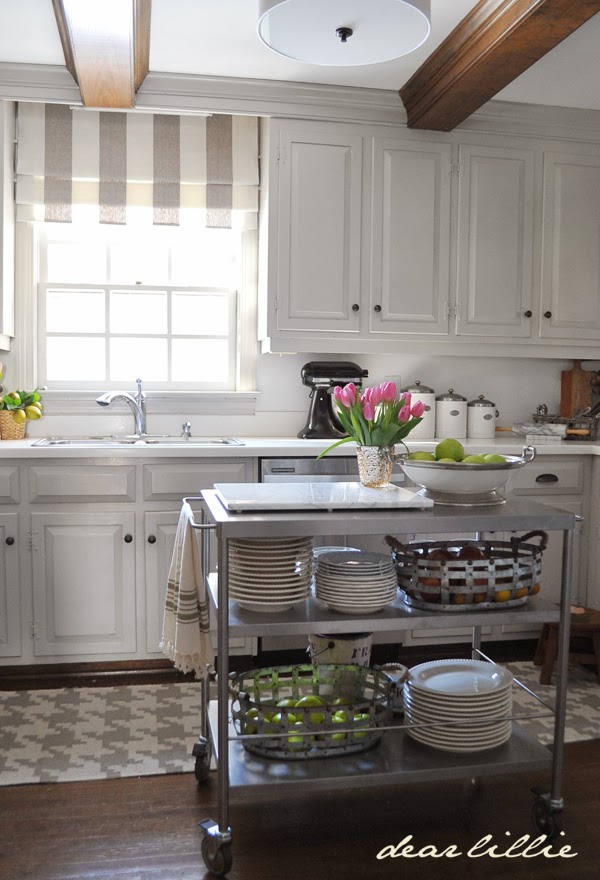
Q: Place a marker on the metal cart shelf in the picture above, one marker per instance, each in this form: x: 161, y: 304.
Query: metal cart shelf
x: 397, y: 758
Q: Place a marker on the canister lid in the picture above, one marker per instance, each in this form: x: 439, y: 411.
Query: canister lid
x: 450, y: 395
x: 481, y: 401
x: 417, y: 388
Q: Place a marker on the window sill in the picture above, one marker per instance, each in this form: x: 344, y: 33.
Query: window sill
x: 208, y: 403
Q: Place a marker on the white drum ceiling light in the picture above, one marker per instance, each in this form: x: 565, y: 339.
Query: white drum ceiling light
x: 343, y: 33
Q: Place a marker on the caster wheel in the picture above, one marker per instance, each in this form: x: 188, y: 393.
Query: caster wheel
x: 546, y: 820
x: 202, y: 765
x: 219, y: 860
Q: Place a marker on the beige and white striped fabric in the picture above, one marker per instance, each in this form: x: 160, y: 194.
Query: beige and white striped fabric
x: 186, y: 639
x: 120, y: 167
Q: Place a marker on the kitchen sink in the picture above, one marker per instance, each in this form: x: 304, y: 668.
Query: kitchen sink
x: 146, y: 440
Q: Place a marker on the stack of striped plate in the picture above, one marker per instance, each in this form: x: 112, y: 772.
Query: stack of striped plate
x: 270, y: 575
x: 459, y: 705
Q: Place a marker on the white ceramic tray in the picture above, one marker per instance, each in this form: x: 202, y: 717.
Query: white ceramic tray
x: 315, y: 496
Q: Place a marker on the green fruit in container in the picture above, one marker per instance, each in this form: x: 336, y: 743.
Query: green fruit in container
x: 33, y: 412
x: 447, y: 461
x: 19, y: 416
x: 494, y: 458
x: 474, y: 459
x: 422, y: 456
x: 450, y: 448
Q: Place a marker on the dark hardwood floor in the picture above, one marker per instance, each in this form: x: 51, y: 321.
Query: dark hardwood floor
x: 146, y: 829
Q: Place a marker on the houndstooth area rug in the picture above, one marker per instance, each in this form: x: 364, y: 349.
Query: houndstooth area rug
x: 143, y: 730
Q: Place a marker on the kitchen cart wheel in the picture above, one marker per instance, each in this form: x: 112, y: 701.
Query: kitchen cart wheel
x: 202, y: 751
x: 217, y: 857
x: 546, y: 818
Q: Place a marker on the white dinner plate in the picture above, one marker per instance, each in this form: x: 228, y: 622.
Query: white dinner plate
x: 460, y: 677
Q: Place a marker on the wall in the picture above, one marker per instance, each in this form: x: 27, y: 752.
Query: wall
x: 516, y: 385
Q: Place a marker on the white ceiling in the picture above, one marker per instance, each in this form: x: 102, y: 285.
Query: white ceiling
x: 218, y: 38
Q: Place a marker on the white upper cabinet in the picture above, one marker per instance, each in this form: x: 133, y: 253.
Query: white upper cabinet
x: 315, y: 238
x: 495, y: 241
x: 571, y: 247
x: 410, y: 237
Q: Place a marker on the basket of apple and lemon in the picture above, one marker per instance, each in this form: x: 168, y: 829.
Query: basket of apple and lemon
x: 310, y: 711
x: 469, y: 575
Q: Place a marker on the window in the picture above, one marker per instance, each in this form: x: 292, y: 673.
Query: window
x: 160, y: 303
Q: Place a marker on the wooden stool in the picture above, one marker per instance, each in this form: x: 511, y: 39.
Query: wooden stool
x: 585, y: 624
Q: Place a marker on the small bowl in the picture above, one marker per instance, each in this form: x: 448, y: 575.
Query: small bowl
x: 461, y: 484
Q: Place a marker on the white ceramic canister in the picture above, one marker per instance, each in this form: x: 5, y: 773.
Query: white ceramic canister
x: 451, y: 415
x: 481, y: 419
x: 426, y: 429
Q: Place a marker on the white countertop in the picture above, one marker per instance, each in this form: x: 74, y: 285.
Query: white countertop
x: 272, y: 447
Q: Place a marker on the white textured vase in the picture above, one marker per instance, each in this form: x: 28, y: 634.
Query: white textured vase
x: 375, y: 465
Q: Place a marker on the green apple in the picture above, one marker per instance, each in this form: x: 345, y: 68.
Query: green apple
x: 450, y: 448
x: 286, y: 702
x: 447, y: 461
x: 421, y: 456
x: 307, y: 702
x: 494, y: 458
x: 474, y: 459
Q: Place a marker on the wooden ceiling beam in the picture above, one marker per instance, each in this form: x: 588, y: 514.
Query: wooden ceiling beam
x: 106, y: 44
x: 491, y: 47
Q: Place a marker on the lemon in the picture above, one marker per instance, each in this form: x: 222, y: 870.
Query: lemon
x: 450, y: 448
x: 19, y: 416
x: 33, y: 412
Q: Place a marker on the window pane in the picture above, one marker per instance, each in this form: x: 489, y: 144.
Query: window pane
x: 81, y: 359
x: 207, y: 259
x: 139, y: 263
x: 75, y: 311
x: 73, y: 262
x: 205, y: 314
x: 132, y: 357
x: 132, y: 312
x: 200, y: 360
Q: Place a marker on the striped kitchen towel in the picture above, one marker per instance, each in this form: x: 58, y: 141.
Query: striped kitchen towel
x: 185, y: 638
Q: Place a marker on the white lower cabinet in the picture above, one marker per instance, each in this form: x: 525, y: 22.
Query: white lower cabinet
x: 97, y: 540
x: 83, y: 583
x: 10, y: 603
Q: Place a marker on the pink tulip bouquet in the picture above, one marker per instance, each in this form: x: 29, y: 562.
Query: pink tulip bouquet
x: 377, y: 417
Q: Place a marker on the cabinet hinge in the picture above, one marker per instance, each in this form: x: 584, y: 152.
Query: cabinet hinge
x: 31, y: 536
x: 34, y: 629
x: 276, y: 305
x: 280, y: 155
x: 455, y: 168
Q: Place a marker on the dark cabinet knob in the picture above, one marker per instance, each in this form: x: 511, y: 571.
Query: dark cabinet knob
x: 128, y: 539
x: 528, y: 313
x: 152, y: 539
x: 10, y: 541
x: 546, y: 478
x: 355, y: 307
x: 547, y: 314
x: 376, y: 308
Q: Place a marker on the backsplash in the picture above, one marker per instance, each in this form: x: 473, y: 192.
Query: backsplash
x: 515, y: 385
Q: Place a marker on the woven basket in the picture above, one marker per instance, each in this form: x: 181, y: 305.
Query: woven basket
x: 9, y: 429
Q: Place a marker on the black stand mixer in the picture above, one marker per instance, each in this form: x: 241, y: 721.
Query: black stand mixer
x: 322, y: 377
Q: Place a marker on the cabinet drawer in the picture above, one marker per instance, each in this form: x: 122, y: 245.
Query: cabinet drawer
x: 9, y: 485
x: 549, y: 478
x: 73, y: 483
x: 170, y: 482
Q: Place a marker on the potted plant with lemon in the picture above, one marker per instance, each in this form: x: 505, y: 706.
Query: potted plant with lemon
x: 15, y: 408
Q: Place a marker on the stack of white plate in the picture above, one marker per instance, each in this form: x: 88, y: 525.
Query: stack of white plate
x: 355, y: 582
x: 468, y: 701
x: 270, y: 575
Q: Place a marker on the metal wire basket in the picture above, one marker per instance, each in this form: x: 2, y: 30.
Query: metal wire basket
x: 434, y: 577
x: 275, y: 730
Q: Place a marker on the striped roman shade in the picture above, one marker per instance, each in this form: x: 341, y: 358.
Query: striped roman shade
x: 120, y: 167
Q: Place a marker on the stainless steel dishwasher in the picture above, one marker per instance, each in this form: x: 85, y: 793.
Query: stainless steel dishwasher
x: 339, y: 468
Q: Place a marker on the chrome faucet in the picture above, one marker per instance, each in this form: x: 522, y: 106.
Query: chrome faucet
x: 136, y: 403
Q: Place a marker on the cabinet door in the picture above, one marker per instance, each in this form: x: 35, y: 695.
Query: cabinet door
x: 410, y: 237
x: 83, y: 583
x: 317, y: 227
x: 495, y: 241
x: 10, y: 597
x: 571, y: 247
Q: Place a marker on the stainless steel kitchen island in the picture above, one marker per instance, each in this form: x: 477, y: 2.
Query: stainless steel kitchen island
x: 397, y: 759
